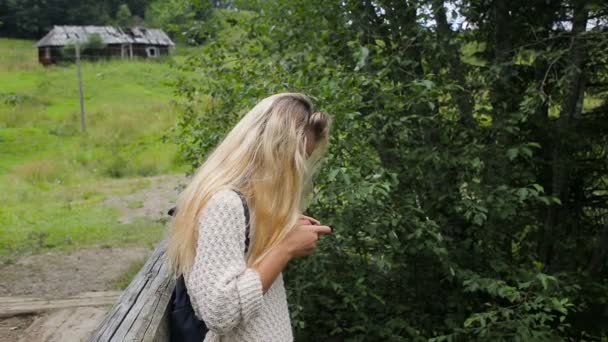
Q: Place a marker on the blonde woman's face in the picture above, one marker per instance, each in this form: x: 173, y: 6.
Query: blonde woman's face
x: 310, y: 142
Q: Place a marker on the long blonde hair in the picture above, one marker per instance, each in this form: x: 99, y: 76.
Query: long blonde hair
x: 263, y: 157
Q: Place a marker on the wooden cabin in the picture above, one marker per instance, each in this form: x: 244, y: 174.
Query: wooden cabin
x: 118, y: 42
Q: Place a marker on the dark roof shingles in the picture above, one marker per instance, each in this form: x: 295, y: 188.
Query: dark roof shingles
x: 64, y: 35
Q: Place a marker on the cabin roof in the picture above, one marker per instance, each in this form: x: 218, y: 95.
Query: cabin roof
x: 64, y: 35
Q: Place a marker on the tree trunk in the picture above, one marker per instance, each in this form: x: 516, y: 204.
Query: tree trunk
x: 571, y: 109
x: 598, y: 260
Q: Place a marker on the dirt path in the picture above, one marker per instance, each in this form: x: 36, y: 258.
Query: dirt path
x: 58, y: 274
x: 151, y: 202
x: 11, y: 329
x: 62, y: 274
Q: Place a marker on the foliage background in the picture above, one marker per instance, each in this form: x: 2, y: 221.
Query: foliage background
x: 466, y: 179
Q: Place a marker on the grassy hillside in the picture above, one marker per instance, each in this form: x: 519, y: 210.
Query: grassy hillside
x: 54, y: 177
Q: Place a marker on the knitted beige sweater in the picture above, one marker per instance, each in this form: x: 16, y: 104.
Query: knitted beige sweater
x: 224, y: 292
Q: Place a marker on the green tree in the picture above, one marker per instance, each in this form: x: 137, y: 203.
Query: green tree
x: 467, y: 174
x: 34, y: 18
x: 184, y: 20
x: 123, y: 16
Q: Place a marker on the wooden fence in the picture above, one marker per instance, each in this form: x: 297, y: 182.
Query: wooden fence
x: 141, y: 312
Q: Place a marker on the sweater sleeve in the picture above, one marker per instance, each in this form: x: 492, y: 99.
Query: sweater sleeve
x: 223, y: 290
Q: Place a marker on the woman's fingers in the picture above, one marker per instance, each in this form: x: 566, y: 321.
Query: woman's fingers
x: 319, y: 229
x: 303, y: 221
x: 313, y: 220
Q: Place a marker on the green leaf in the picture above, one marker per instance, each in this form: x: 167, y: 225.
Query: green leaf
x: 525, y: 57
x: 544, y: 199
x: 332, y: 175
x: 428, y: 84
x: 469, y: 321
x: 362, y: 60
x: 526, y: 151
x: 544, y: 279
x: 472, y: 48
x: 554, y: 111
x: 468, y: 51
x: 538, y: 187
x: 473, y: 60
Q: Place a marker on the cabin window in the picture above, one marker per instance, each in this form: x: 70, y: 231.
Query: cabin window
x: 152, y: 51
x: 47, y: 52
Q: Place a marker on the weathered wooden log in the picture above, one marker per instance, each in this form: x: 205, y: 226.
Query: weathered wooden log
x: 141, y: 312
x: 14, y: 306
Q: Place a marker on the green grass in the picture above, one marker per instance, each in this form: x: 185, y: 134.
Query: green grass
x: 54, y: 177
x: 17, y: 54
x: 123, y: 281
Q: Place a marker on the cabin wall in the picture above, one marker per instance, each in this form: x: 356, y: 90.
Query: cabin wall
x: 55, y: 55
x: 142, y: 50
x: 49, y: 55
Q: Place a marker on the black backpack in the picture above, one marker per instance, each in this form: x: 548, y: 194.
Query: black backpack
x: 184, y: 326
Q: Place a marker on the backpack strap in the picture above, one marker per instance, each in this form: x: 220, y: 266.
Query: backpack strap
x: 247, y: 223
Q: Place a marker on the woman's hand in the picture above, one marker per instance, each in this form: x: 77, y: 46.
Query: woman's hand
x: 302, y: 240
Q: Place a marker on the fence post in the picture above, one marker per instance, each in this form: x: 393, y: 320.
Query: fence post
x: 83, y: 126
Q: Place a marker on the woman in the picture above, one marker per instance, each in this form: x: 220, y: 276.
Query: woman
x: 269, y: 158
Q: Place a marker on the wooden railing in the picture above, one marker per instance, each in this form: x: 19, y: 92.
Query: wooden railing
x: 141, y: 312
